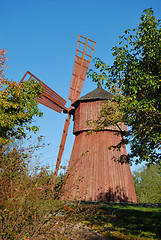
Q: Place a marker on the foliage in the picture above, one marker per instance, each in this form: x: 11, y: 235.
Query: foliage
x: 147, y: 183
x: 2, y: 66
x: 135, y: 80
x: 17, y: 106
x: 26, y: 199
x: 29, y: 208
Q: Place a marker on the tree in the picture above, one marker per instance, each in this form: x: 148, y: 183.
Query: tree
x: 147, y: 182
x: 17, y: 105
x: 135, y: 81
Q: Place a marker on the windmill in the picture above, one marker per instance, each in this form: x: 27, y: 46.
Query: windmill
x: 92, y: 173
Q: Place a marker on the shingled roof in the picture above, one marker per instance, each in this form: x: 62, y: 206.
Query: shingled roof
x: 98, y: 94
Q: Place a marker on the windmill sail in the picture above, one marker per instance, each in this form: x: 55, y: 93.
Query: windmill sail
x: 84, y: 51
x: 49, y: 98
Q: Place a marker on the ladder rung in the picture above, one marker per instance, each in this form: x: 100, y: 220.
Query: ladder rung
x: 87, y: 38
x: 81, y: 65
x: 75, y: 89
x: 81, y: 42
x: 87, y: 55
x: 81, y: 58
x: 79, y: 51
x: 87, y: 45
x: 77, y: 76
x: 90, y: 47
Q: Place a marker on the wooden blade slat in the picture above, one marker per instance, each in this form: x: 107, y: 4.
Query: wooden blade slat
x: 49, y: 98
x: 48, y: 103
x: 49, y: 93
x: 78, y: 78
x: 81, y: 65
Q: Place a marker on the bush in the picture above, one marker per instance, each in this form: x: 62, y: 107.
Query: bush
x: 26, y: 196
x: 147, y: 181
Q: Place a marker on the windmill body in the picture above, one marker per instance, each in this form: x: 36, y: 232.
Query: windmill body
x: 93, y: 174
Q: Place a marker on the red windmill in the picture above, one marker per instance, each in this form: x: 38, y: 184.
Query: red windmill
x: 95, y: 175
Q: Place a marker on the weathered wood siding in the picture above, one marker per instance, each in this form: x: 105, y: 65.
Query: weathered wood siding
x: 89, y: 111
x: 94, y: 173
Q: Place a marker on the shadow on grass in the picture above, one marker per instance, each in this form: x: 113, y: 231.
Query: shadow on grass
x: 125, y: 221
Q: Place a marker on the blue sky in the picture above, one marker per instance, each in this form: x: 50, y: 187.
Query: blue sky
x: 41, y: 36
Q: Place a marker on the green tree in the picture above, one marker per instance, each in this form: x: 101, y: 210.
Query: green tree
x: 147, y: 182
x: 135, y: 81
x: 17, y: 106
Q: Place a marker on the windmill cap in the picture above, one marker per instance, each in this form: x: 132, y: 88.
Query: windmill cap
x: 98, y: 94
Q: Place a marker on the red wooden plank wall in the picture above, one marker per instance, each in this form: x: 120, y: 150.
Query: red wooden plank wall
x: 93, y: 174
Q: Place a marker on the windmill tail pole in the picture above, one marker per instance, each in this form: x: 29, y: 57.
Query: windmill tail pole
x: 61, y: 149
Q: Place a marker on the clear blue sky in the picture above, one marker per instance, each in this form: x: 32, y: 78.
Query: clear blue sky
x: 41, y: 36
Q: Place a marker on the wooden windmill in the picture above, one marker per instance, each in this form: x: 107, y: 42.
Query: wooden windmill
x: 94, y: 175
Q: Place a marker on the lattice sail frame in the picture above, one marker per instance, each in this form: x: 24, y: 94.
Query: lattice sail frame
x: 49, y: 98
x: 84, y: 51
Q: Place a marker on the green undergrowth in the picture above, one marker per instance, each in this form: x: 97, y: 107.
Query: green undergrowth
x: 120, y: 221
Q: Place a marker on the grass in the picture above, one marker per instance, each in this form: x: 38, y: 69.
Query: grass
x: 121, y: 221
